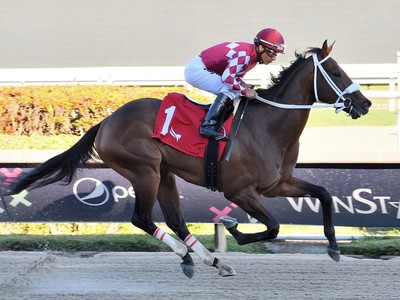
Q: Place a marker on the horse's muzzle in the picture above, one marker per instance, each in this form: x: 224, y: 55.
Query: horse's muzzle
x: 356, y: 109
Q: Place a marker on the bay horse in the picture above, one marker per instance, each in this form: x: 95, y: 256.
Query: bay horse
x: 264, y: 155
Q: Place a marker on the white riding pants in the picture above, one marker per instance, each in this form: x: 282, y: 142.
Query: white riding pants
x: 197, y: 75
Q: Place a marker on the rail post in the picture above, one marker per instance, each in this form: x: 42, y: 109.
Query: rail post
x: 398, y: 105
x: 219, y: 238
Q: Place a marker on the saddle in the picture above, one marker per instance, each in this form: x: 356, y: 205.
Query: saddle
x: 178, y: 124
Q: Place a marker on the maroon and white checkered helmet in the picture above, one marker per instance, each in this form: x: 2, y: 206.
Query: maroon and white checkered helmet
x: 272, y: 39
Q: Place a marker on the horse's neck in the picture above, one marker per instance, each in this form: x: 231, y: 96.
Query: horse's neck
x: 289, y: 122
x: 298, y: 88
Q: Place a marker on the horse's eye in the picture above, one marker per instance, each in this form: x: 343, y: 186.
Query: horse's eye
x: 336, y: 74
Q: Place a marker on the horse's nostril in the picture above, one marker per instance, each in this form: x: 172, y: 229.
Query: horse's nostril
x: 367, y: 104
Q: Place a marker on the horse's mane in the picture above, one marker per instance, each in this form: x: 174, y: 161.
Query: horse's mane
x: 286, y: 72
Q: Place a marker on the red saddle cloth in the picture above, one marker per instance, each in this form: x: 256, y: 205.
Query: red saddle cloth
x: 178, y: 125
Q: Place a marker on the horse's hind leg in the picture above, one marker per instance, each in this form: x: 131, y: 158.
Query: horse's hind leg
x: 146, y: 187
x: 169, y: 200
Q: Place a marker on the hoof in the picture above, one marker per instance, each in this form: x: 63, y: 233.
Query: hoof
x: 188, y: 270
x: 228, y: 222
x: 334, y: 254
x: 226, y: 271
x: 223, y: 270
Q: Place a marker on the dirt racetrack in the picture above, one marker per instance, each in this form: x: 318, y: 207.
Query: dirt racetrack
x: 44, y: 275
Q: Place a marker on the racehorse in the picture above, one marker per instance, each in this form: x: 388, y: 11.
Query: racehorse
x: 264, y: 155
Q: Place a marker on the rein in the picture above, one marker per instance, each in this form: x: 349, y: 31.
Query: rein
x: 341, y: 102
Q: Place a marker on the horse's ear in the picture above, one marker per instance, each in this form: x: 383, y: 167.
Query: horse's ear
x: 326, y: 49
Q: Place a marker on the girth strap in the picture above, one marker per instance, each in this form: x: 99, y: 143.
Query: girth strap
x: 211, y: 165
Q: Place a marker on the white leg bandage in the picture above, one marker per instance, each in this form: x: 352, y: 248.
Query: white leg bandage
x: 179, y: 248
x: 199, y: 249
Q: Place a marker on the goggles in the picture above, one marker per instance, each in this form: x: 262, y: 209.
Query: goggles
x: 271, y: 53
x: 278, y: 48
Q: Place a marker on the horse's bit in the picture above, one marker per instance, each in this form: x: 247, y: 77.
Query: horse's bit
x: 341, y: 102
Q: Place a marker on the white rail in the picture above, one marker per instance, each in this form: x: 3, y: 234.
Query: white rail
x: 367, y: 74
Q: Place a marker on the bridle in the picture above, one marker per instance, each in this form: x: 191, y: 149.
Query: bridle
x: 350, y: 89
x: 341, y: 102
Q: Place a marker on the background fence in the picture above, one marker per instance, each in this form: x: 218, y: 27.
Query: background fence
x: 368, y: 197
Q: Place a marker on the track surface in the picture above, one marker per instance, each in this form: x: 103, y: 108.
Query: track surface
x: 43, y: 275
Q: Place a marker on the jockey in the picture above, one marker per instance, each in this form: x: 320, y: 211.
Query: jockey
x: 220, y: 70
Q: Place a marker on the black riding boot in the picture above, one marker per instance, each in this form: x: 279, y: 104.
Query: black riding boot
x: 213, y: 120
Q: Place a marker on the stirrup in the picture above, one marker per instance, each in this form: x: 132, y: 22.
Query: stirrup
x: 212, y: 133
x: 223, y: 137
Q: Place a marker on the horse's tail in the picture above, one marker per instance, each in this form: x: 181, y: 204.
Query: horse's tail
x: 59, y: 168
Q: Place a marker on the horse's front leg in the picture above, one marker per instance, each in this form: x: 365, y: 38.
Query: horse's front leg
x: 250, y: 201
x: 295, y: 187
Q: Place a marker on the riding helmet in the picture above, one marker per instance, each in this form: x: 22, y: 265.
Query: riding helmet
x: 272, y: 39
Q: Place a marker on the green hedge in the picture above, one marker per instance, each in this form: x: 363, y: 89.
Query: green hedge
x: 71, y: 110
x: 49, y: 110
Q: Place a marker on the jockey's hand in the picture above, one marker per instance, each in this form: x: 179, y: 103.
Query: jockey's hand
x: 251, y: 93
x: 246, y: 85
